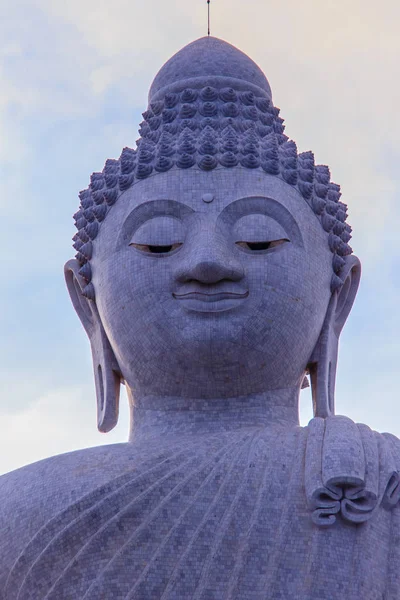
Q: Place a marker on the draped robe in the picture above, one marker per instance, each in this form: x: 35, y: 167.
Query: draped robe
x: 252, y: 514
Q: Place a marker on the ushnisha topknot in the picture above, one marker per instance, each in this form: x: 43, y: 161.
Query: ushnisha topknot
x: 210, y: 106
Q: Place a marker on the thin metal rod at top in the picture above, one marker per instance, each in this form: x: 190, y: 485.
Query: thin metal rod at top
x: 208, y: 10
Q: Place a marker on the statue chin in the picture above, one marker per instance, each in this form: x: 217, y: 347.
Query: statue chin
x: 212, y: 273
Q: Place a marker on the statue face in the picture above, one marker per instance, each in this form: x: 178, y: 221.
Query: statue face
x: 215, y: 298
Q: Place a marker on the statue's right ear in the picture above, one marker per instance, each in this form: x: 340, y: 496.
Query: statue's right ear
x: 85, y: 309
x: 107, y: 373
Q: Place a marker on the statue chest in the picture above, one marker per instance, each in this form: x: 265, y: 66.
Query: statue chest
x: 220, y: 518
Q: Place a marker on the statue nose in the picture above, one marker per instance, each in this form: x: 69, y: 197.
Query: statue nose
x: 210, y: 265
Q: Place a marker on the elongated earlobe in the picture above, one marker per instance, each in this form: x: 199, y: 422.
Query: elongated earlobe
x: 107, y: 382
x: 323, y: 362
x: 107, y: 374
x: 322, y: 367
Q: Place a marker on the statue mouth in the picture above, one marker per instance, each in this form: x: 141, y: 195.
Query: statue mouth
x: 210, y: 301
x: 206, y: 297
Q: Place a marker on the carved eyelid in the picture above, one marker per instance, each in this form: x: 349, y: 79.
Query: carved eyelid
x: 258, y: 228
x: 159, y: 231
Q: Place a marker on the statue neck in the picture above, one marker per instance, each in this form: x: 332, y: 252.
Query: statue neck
x: 169, y: 417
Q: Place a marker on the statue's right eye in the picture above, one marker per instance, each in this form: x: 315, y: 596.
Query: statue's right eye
x: 155, y: 249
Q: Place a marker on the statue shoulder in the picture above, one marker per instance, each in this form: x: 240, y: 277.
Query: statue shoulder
x: 350, y: 469
x: 393, y: 441
x: 33, y: 495
x: 390, y: 451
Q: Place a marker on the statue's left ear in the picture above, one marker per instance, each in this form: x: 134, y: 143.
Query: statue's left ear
x: 323, y: 362
x: 107, y: 374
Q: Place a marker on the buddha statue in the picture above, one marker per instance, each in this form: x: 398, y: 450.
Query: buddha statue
x: 213, y: 274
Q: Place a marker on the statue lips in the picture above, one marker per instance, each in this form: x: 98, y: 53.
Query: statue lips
x: 210, y: 301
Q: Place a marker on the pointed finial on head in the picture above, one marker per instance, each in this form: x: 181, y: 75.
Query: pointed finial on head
x: 208, y: 12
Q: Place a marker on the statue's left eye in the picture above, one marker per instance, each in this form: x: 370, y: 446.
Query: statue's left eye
x: 153, y: 249
x: 257, y: 246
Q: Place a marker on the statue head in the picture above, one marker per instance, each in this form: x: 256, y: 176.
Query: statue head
x: 212, y: 260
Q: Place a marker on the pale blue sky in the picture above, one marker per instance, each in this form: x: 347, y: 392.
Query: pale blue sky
x: 73, y: 83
